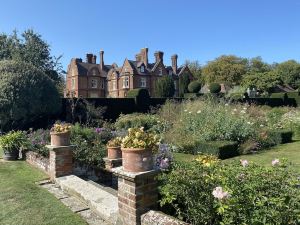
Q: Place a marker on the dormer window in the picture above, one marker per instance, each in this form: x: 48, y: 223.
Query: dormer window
x: 94, y: 72
x: 160, y: 71
x: 142, y: 69
x: 170, y: 72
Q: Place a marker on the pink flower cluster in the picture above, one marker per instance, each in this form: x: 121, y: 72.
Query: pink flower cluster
x: 275, y: 162
x: 244, y: 162
x: 220, y: 194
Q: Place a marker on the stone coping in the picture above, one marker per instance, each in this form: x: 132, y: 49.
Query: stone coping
x: 56, y: 148
x: 133, y: 176
x: 159, y: 218
x: 112, y: 160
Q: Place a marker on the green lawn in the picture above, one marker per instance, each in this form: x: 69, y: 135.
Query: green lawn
x: 290, y: 151
x: 23, y: 202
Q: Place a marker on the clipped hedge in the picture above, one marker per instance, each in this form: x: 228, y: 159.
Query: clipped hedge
x: 285, y: 135
x: 192, y: 95
x: 141, y: 96
x: 214, y: 88
x: 222, y: 149
x: 194, y: 87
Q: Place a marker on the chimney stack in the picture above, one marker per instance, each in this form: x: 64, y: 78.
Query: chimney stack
x: 144, y: 54
x: 89, y: 58
x: 159, y: 56
x: 174, y: 63
x: 101, y: 59
x: 94, y: 60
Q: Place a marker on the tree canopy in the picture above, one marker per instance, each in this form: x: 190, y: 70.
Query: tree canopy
x: 165, y: 87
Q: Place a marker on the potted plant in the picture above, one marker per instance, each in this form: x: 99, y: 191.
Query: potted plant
x: 114, y: 148
x: 11, y: 143
x: 60, y: 134
x: 137, y: 150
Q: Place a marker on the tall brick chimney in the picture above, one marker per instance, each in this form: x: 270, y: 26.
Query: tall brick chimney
x: 101, y: 59
x: 89, y: 58
x: 144, y: 54
x: 94, y: 59
x: 159, y: 56
x: 174, y: 63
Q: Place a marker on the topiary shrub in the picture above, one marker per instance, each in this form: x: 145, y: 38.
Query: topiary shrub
x: 26, y: 95
x: 194, y: 87
x: 214, y: 88
x: 142, y: 98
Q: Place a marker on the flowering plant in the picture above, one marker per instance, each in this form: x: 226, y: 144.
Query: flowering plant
x: 207, y: 160
x: 116, y: 142
x: 61, y: 128
x: 138, y: 138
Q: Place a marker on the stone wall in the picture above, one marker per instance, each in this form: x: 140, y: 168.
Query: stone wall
x: 37, y: 160
x: 159, y: 218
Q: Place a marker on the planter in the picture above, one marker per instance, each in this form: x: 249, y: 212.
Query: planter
x: 137, y: 160
x: 10, y: 155
x: 60, y: 139
x: 114, y: 152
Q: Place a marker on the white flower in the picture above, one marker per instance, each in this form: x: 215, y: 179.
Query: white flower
x: 185, y: 110
x: 190, y: 112
x: 244, y: 108
x: 261, y: 125
x: 199, y: 111
x: 244, y: 162
x: 249, y: 122
x: 275, y: 162
x: 226, y: 104
x: 234, y: 110
x: 220, y: 194
x: 243, y: 111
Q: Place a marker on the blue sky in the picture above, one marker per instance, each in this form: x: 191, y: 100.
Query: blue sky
x: 194, y: 29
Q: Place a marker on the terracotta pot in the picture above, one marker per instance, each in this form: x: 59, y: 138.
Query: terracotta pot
x: 60, y: 139
x: 114, y: 152
x: 137, y: 159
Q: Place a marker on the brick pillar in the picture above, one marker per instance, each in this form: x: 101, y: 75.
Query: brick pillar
x: 61, y: 161
x: 112, y: 163
x: 137, y: 194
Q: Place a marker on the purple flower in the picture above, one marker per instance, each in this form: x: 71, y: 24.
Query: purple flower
x: 275, y: 162
x: 99, y: 130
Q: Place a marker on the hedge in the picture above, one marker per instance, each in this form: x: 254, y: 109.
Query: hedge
x: 285, y: 135
x: 192, y: 95
x: 222, y: 149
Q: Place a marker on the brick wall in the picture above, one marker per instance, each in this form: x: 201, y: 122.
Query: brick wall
x: 37, y: 160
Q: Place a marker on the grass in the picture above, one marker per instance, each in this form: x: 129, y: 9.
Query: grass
x: 290, y: 151
x: 22, y: 202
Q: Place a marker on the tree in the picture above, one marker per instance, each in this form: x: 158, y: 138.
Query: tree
x: 289, y: 73
x: 31, y: 48
x: 184, y: 81
x: 225, y: 69
x: 26, y: 94
x: 256, y: 65
x: 164, y: 87
x: 263, y: 82
x: 195, y: 69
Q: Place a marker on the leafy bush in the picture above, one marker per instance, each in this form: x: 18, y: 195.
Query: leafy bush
x: 136, y: 120
x: 38, y: 140
x: 164, y: 87
x: 214, y: 88
x: 13, y: 141
x: 209, y: 192
x: 285, y: 135
x: 194, y: 87
x: 26, y: 94
x: 90, y: 147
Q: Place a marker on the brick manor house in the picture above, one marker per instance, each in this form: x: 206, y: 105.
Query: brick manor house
x: 91, y: 80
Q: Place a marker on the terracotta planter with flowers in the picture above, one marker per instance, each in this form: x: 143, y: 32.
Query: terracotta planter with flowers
x: 60, y: 135
x: 137, y: 150
x: 114, y: 148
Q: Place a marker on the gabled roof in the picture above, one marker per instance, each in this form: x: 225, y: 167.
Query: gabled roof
x: 84, y: 68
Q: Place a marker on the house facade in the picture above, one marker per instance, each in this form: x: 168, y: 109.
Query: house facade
x: 91, y: 80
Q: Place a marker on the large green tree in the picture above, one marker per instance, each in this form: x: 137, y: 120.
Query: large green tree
x: 26, y: 94
x: 289, y: 73
x: 164, y: 87
x: 225, y: 69
x: 195, y: 68
x: 32, y: 49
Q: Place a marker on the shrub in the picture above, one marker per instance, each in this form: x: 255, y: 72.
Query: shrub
x: 194, y: 87
x: 164, y: 87
x: 38, y: 140
x: 26, y: 94
x: 90, y: 148
x: 286, y: 136
x: 13, y: 141
x: 214, y: 88
x: 136, y: 120
x: 210, y: 192
x: 184, y: 81
x: 192, y: 95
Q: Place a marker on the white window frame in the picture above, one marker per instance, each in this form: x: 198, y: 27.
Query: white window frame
x: 126, y: 82
x: 175, y: 85
x: 170, y: 72
x: 142, y: 69
x: 73, y: 83
x: 94, y: 72
x: 94, y: 83
x: 114, y: 85
x: 143, y: 82
x: 160, y: 71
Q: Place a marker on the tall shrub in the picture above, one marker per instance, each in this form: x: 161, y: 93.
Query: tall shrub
x: 164, y: 87
x: 184, y: 81
x: 26, y: 94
